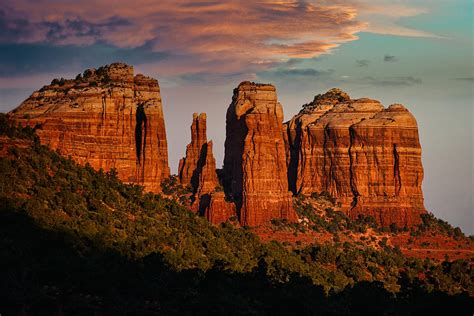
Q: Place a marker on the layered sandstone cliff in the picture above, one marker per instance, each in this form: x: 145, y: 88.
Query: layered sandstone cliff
x: 255, y: 168
x: 108, y: 118
x: 366, y: 156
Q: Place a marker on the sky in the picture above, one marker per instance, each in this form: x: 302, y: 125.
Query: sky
x: 418, y: 53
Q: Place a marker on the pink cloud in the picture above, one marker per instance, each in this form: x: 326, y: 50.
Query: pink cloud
x: 383, y: 16
x: 211, y: 36
x: 228, y: 35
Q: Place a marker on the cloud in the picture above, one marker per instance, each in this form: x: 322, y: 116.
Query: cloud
x: 309, y: 72
x: 209, y: 78
x: 390, y: 59
x: 469, y: 79
x: 362, y: 63
x: 406, y: 81
x: 293, y: 62
x: 383, y: 17
x: 183, y: 40
x: 217, y: 36
x: 300, y: 73
x: 29, y: 59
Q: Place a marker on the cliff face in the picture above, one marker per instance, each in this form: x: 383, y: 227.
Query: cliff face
x: 387, y: 169
x: 108, y: 118
x: 366, y: 156
x: 255, y: 168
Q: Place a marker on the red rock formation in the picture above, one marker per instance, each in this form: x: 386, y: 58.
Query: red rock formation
x: 188, y: 166
x: 7, y: 143
x: 208, y: 181
x: 212, y: 203
x: 219, y: 210
x: 108, y: 118
x: 255, y: 167
x: 198, y: 170
x: 387, y: 169
x: 352, y: 149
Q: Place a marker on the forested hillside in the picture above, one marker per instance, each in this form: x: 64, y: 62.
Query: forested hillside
x: 75, y: 241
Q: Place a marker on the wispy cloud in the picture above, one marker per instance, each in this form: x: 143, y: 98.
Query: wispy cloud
x: 362, y: 63
x: 469, y: 79
x: 184, y: 39
x: 224, y: 35
x: 383, y: 17
x: 283, y: 73
x: 403, y: 81
x: 390, y: 59
x: 30, y: 59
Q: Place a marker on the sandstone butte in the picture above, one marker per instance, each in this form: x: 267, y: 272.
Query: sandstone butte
x: 108, y: 118
x: 366, y: 156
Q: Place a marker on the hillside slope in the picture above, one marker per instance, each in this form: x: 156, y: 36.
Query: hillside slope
x: 77, y: 241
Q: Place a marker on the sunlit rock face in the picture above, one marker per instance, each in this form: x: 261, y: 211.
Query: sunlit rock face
x: 107, y: 118
x: 255, y: 168
x: 366, y: 156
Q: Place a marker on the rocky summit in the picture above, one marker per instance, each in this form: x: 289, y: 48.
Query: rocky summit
x: 105, y: 117
x: 366, y: 156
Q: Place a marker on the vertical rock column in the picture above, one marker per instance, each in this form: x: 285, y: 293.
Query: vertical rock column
x: 212, y: 203
x: 255, y: 167
x: 188, y: 170
x: 198, y: 171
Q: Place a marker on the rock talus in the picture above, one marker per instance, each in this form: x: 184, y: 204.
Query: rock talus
x: 108, y: 118
x: 255, y: 168
x: 366, y: 156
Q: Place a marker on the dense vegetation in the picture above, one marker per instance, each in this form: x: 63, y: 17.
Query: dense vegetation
x: 77, y: 241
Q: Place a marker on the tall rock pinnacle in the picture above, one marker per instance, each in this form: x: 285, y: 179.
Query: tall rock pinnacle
x: 108, y: 118
x: 198, y: 171
x: 188, y: 172
x: 255, y: 168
